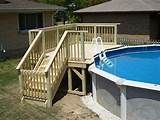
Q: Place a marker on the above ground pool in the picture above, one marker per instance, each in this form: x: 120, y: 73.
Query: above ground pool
x: 126, y: 82
x: 135, y: 63
x: 141, y: 63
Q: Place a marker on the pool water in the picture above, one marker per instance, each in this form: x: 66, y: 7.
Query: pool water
x: 143, y: 66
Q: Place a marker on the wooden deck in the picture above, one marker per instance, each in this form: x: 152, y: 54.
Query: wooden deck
x: 55, y: 50
x: 89, y: 51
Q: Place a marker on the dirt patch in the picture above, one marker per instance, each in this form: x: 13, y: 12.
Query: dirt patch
x: 72, y: 108
x: 68, y: 107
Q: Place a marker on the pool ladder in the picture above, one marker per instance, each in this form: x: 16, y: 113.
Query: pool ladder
x: 104, y: 60
x: 98, y: 47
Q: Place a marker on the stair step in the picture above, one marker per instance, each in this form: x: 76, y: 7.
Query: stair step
x: 37, y: 101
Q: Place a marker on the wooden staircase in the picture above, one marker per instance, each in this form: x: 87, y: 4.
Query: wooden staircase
x: 41, y: 70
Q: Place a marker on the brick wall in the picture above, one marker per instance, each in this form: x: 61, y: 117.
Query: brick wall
x: 136, y: 25
x: 155, y: 26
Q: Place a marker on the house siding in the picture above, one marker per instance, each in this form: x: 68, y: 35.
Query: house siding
x: 134, y: 25
x: 155, y: 26
x: 48, y: 19
x: 12, y: 40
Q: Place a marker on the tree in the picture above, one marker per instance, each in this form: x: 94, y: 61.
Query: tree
x: 71, y: 6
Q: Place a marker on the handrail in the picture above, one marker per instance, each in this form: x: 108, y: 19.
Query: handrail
x: 97, y: 24
x: 56, y: 27
x: 29, y: 49
x: 52, y: 27
x: 58, y: 47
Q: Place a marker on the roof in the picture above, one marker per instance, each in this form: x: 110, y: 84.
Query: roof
x: 124, y: 6
x: 27, y: 6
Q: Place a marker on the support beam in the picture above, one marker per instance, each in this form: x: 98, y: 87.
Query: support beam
x: 82, y: 76
x: 78, y: 74
x: 123, y: 103
x: 69, y: 79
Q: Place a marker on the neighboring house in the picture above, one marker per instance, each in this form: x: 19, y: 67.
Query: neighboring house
x: 140, y: 19
x: 17, y: 17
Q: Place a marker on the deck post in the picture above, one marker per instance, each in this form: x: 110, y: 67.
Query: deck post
x: 43, y: 41
x: 49, y: 92
x: 57, y: 36
x: 95, y: 31
x: 67, y: 49
x: 84, y: 82
x: 30, y: 37
x: 115, y: 34
x: 69, y: 79
x: 21, y: 84
x: 123, y: 102
x: 82, y: 46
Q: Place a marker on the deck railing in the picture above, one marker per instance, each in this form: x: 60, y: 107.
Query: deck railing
x: 34, y: 85
x: 76, y: 46
x: 33, y: 54
x: 51, y: 33
x: 108, y: 32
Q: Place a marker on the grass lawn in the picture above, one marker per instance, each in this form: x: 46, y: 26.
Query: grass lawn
x: 10, y: 106
x: 8, y: 73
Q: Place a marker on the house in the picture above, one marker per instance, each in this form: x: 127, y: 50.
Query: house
x: 139, y: 19
x: 17, y: 17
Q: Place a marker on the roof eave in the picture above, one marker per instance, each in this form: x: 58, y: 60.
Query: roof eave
x: 117, y: 12
x: 29, y: 10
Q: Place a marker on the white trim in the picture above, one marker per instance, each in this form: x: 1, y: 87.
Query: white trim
x: 121, y: 81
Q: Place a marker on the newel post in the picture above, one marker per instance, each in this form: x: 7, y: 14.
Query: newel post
x: 30, y: 37
x: 43, y: 41
x: 57, y: 35
x: 49, y: 92
x: 20, y: 83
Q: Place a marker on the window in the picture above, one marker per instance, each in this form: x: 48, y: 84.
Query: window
x: 30, y: 21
